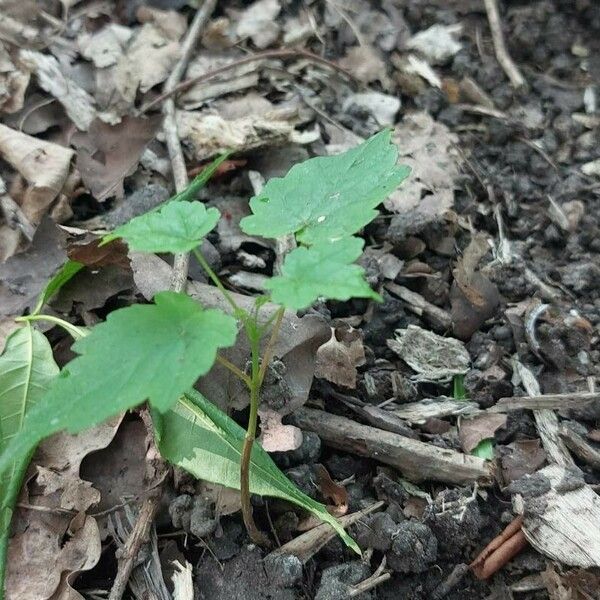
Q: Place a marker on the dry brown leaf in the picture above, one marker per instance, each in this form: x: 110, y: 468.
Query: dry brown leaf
x: 427, y: 147
x: 13, y: 83
x: 474, y: 298
x: 92, y: 254
x: 106, y: 46
x: 210, y: 134
x: 78, y: 104
x: 335, y: 495
x: 481, y: 427
x: 171, y: 23
x: 51, y: 547
x: 522, y: 457
x: 38, y: 557
x: 23, y: 276
x: 366, y: 64
x: 338, y: 358
x: 147, y: 62
x: 106, y: 154
x: 44, y: 165
x: 258, y: 22
x: 233, y: 80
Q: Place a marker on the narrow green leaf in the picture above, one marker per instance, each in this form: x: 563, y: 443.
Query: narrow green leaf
x: 329, y: 197
x: 66, y: 272
x: 27, y: 368
x: 458, y: 391
x: 204, y: 441
x: 485, y: 449
x: 323, y: 270
x: 201, y: 179
x: 149, y: 352
x: 176, y: 227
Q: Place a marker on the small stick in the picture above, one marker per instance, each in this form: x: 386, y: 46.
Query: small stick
x: 371, y: 582
x: 286, y: 53
x: 138, y: 536
x: 500, y: 550
x: 446, y: 586
x: 180, y: 176
x: 506, y: 62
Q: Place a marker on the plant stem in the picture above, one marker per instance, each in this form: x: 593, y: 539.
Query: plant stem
x: 215, y: 279
x: 231, y: 367
x: 270, y: 345
x: 73, y: 330
x: 255, y: 534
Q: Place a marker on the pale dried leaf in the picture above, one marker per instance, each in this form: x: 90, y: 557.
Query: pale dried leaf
x: 104, y: 47
x: 147, y: 62
x: 78, y: 104
x: 210, y: 134
x: 475, y: 429
x: 44, y: 165
x: 427, y: 147
x: 339, y: 357
x: 433, y: 357
x: 258, y: 22
x: 365, y: 63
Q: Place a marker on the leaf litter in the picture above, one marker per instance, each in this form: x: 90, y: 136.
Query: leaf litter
x: 78, y: 149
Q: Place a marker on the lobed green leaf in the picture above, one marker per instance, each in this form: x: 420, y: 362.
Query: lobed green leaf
x: 204, y: 441
x: 323, y: 270
x: 149, y: 352
x: 177, y: 226
x: 330, y: 197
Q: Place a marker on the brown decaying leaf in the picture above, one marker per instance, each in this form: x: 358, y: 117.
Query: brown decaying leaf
x: 23, y: 276
x: 51, y: 547
x: 474, y: 298
x: 335, y: 495
x: 93, y: 255
x: 478, y: 428
x: 427, y: 147
x: 339, y: 357
x: 44, y: 165
x: 106, y: 154
x: 520, y: 458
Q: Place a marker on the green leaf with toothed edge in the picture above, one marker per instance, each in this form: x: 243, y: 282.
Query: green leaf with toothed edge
x: 198, y: 437
x: 328, y: 197
x: 324, y: 270
x: 177, y: 227
x: 151, y: 352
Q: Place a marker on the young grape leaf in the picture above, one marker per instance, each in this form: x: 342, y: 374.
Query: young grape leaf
x: 323, y: 270
x: 329, y: 197
x: 149, y: 352
x: 65, y: 273
x: 27, y: 369
x: 204, y: 441
x: 176, y: 227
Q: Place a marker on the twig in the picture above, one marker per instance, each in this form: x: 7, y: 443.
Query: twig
x: 373, y: 581
x: 506, y: 62
x: 181, y: 262
x: 500, y: 550
x: 575, y: 400
x: 446, y: 586
x: 285, y: 53
x: 580, y: 446
x: 138, y: 536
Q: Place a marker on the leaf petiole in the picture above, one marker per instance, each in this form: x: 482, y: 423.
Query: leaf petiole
x: 74, y: 331
x: 235, y: 370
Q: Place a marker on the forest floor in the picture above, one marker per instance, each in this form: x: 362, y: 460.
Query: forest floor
x: 485, y: 345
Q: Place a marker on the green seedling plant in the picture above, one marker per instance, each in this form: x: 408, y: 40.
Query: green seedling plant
x: 156, y: 352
